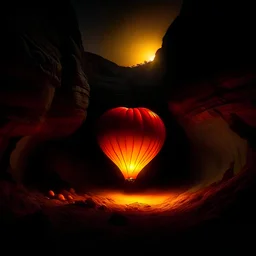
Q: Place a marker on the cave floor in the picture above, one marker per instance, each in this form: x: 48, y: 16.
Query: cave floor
x: 221, y: 215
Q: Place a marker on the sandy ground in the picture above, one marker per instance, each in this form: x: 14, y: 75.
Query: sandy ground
x: 150, y: 221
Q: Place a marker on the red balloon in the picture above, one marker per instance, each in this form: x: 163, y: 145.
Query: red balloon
x: 131, y: 138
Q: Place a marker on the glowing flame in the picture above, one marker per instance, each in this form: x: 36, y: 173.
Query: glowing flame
x: 131, y: 138
x: 146, y: 198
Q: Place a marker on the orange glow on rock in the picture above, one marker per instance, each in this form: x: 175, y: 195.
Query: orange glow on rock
x: 131, y: 138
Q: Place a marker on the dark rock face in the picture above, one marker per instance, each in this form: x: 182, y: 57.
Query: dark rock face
x: 41, y: 69
x: 208, y: 55
x: 44, y: 91
x: 208, y: 58
x: 209, y: 38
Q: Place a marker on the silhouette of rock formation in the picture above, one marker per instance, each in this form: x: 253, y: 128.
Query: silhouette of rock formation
x: 41, y: 70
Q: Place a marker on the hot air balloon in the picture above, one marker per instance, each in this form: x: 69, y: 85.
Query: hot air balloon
x: 131, y: 138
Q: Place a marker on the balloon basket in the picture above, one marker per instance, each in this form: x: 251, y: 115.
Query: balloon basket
x: 129, y: 185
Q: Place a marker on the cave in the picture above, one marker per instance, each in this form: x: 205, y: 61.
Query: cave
x: 58, y: 191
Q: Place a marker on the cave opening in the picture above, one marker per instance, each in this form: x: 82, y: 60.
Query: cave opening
x: 191, y: 159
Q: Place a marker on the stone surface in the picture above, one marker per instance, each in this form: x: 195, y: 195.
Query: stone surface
x: 210, y: 79
x: 41, y: 70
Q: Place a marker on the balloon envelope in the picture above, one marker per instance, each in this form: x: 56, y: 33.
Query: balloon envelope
x: 131, y: 138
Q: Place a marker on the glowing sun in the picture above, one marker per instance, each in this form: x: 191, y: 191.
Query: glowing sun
x: 151, y: 58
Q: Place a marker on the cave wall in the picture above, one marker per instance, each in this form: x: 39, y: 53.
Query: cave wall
x: 44, y: 92
x: 42, y: 73
x: 209, y: 82
x: 214, y: 148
